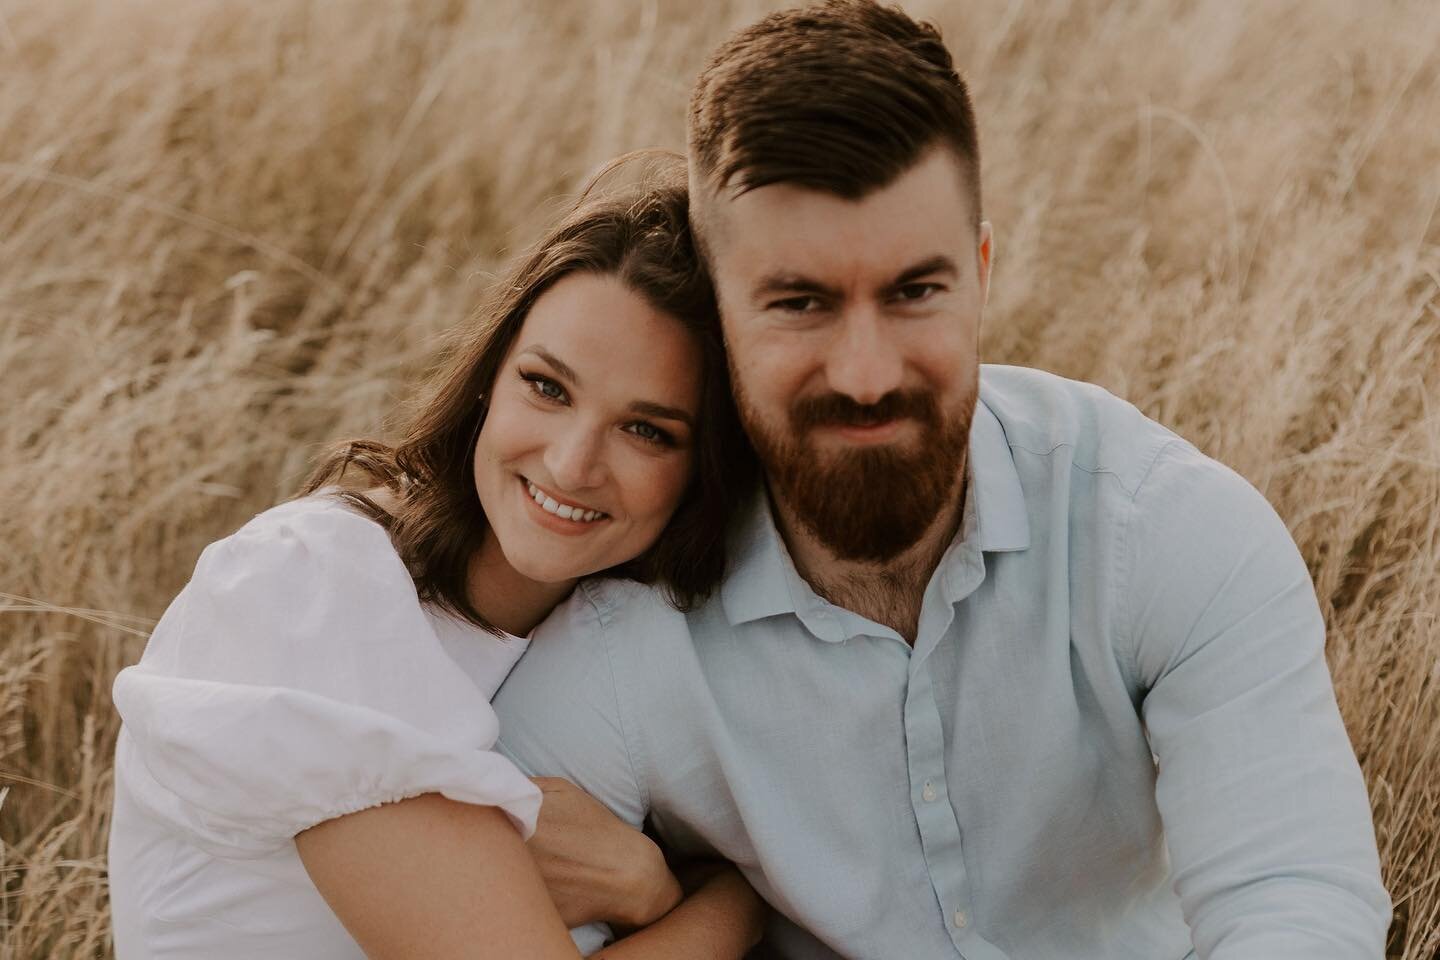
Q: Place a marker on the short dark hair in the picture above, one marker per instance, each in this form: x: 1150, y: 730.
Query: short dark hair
x: 643, y: 238
x: 841, y: 96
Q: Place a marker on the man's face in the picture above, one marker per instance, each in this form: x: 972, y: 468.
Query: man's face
x: 852, y: 330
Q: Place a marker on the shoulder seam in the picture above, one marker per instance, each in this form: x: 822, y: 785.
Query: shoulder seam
x: 1104, y: 471
x: 1124, y: 548
x: 604, y: 610
x: 1154, y: 459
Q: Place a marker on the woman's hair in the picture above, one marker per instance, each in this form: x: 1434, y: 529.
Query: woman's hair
x: 436, y: 523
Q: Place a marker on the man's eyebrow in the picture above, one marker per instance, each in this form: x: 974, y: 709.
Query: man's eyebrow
x: 663, y: 412
x: 794, y: 284
x: 936, y: 264
x: 561, y: 367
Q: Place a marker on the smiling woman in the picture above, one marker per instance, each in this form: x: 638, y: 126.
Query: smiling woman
x: 589, y: 434
x: 306, y: 764
x: 601, y: 352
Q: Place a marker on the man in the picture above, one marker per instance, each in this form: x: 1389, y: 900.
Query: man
x: 1000, y: 668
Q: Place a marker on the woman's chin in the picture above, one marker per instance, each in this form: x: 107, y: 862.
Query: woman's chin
x: 550, y: 569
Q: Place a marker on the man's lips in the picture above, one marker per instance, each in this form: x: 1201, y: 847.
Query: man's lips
x: 875, y: 432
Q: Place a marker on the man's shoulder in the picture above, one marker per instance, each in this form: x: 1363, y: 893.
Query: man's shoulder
x: 601, y: 605
x: 1194, y: 505
x: 1045, y: 415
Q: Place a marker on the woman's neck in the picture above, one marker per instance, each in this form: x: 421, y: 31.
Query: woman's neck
x: 505, y: 597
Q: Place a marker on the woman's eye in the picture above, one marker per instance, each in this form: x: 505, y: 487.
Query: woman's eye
x: 797, y: 304
x: 544, y: 387
x: 651, y: 433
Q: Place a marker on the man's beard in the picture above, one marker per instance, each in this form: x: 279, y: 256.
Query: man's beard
x: 867, y: 504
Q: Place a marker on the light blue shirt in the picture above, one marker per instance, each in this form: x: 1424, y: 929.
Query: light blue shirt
x: 1115, y: 736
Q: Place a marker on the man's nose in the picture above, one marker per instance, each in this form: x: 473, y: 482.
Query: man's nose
x: 575, y: 457
x: 864, y: 361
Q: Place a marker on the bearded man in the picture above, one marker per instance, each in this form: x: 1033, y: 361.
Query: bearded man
x: 1001, y: 668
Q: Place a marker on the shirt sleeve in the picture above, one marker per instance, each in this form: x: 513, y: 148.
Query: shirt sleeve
x: 1265, y: 811
x: 561, y: 709
x: 297, y: 679
x: 561, y: 713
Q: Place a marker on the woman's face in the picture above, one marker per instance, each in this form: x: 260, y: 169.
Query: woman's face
x: 588, y: 445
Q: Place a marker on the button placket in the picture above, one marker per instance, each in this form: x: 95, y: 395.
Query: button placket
x: 938, y: 821
x: 939, y: 831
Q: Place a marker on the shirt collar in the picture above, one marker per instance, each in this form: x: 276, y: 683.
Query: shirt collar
x: 758, y: 584
x: 762, y: 580
x: 995, y: 484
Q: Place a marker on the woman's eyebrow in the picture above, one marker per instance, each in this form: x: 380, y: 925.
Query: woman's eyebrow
x: 647, y: 407
x: 663, y: 412
x: 561, y: 367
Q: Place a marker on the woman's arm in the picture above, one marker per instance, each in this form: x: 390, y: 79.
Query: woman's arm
x: 434, y: 878
x: 723, y: 918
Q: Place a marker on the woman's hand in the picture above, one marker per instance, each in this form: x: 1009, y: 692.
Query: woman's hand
x: 596, y: 866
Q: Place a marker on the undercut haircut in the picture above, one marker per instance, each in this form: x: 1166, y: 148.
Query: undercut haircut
x: 841, y: 96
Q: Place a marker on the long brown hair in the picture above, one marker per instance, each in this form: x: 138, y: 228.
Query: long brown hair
x: 436, y: 522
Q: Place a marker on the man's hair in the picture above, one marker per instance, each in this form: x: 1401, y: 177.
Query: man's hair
x: 841, y: 96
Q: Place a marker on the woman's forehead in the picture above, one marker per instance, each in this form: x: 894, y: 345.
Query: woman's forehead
x: 610, y: 341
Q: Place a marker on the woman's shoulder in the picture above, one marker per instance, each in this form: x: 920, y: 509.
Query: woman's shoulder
x: 298, y: 678
x: 308, y: 597
x: 308, y: 580
x: 322, y: 523
x: 318, y: 542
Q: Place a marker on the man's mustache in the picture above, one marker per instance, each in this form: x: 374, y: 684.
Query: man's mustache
x: 838, y: 410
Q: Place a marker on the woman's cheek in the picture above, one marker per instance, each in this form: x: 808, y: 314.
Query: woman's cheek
x: 676, y: 478
x: 655, y: 489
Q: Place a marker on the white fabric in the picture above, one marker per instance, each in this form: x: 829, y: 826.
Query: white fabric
x: 297, y: 678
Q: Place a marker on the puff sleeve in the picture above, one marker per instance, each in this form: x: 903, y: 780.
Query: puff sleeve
x: 296, y: 679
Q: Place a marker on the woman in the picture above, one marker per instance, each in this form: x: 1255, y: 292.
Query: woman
x: 305, y: 767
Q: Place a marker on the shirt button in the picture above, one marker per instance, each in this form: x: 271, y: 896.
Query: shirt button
x: 928, y: 795
x: 961, y: 920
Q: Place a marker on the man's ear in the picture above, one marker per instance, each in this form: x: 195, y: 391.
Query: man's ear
x: 984, y: 258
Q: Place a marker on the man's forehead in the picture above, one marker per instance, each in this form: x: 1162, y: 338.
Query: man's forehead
x: 788, y: 226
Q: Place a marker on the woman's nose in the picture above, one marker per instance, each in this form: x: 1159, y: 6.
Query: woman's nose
x: 575, y: 458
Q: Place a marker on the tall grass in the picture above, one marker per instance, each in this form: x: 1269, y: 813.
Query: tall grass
x: 230, y: 232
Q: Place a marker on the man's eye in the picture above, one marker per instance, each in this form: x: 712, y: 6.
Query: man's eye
x: 916, y: 292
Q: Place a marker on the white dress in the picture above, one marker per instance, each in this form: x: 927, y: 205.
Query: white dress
x: 296, y: 678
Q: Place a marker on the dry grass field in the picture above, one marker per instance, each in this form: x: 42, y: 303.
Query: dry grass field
x: 231, y: 231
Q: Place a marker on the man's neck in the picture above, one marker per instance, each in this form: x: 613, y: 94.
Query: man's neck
x: 890, y: 592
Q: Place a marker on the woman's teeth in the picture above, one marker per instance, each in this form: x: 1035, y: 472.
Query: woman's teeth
x: 563, y: 511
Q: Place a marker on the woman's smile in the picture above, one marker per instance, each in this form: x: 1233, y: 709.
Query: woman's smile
x: 559, y: 514
x: 590, y: 425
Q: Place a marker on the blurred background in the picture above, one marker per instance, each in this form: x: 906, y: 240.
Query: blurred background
x: 230, y: 232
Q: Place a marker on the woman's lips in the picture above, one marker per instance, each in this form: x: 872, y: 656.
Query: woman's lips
x: 554, y: 519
